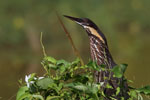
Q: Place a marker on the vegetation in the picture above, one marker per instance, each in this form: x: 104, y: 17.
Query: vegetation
x: 70, y: 81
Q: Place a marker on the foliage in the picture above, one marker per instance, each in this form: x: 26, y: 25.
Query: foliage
x: 70, y: 81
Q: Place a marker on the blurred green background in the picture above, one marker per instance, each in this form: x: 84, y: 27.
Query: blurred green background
x: 126, y: 25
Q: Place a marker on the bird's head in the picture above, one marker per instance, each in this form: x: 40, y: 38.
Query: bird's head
x: 90, y: 27
x: 84, y: 22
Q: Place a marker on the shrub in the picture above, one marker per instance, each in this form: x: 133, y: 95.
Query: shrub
x: 65, y: 80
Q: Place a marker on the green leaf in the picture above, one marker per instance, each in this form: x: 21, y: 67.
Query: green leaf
x: 117, y: 72
x: 145, y: 90
x: 77, y: 86
x: 25, y: 95
x: 123, y: 67
x: 129, y: 81
x: 59, y: 87
x: 133, y: 94
x: 93, y: 88
x: 62, y: 65
x: 44, y: 83
x: 62, y: 62
x: 77, y: 61
x: 118, y: 90
x: 81, y: 87
x: 21, y: 91
x: 62, y: 69
x: 109, y: 86
x: 93, y: 65
x: 52, y: 66
x: 38, y: 97
x: 50, y: 59
x: 52, y: 97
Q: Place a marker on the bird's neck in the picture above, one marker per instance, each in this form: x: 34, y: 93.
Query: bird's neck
x: 100, y: 52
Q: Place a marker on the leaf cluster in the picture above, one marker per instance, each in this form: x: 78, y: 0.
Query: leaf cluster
x: 65, y: 80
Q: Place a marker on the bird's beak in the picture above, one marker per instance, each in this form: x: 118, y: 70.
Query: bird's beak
x: 77, y: 20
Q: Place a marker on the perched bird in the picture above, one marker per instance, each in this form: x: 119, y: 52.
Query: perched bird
x: 101, y: 55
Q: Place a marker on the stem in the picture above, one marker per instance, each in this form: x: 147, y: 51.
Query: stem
x: 70, y: 39
x: 43, y: 48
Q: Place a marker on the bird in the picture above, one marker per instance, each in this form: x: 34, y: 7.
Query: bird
x: 101, y: 55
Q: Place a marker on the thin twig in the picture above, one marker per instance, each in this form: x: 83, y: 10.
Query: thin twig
x: 70, y: 39
x: 12, y: 97
x: 43, y: 48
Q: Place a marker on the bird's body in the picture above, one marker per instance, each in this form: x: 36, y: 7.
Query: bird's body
x: 101, y: 55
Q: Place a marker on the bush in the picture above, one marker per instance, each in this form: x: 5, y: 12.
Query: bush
x: 70, y: 81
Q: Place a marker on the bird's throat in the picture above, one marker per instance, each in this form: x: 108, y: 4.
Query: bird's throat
x: 94, y: 32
